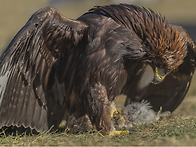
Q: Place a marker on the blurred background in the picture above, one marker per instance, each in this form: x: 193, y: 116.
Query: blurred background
x: 15, y: 13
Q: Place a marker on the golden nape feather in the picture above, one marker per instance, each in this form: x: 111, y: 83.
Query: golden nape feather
x: 161, y: 39
x: 58, y: 69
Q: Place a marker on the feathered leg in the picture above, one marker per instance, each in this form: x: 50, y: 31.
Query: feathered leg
x: 98, y: 108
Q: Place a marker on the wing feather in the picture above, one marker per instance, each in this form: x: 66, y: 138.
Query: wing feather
x: 31, y: 94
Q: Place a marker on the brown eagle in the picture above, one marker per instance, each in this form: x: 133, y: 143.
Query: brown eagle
x: 56, y: 67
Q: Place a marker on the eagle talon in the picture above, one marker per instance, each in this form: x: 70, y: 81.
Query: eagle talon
x: 114, y: 112
x: 119, y: 132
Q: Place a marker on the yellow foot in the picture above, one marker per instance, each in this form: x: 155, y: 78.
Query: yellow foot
x: 119, y: 132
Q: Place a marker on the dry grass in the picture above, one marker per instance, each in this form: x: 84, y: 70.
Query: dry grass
x: 180, y: 129
x: 173, y: 131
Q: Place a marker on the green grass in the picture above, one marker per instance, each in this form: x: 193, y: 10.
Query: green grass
x: 180, y: 129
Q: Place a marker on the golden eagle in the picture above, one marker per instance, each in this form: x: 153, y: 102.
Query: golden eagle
x: 56, y: 67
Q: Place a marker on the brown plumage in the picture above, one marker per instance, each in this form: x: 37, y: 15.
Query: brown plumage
x: 56, y: 67
x: 160, y: 38
x: 172, y: 90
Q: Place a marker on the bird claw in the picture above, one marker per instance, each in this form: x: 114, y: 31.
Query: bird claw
x: 165, y: 114
x: 119, y: 132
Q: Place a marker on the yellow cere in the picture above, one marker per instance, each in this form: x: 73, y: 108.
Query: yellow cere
x: 157, y: 74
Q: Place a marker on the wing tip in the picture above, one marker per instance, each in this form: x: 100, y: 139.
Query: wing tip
x: 25, y: 127
x: 45, y: 13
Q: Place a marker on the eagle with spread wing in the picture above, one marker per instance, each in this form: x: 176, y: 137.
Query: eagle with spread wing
x: 57, y: 67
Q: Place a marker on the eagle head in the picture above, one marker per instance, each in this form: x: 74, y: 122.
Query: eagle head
x: 167, y: 50
x: 165, y: 45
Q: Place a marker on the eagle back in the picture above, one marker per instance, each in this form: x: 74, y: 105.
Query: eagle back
x: 164, y: 43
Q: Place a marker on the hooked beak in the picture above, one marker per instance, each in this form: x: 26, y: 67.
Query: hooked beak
x: 159, y: 76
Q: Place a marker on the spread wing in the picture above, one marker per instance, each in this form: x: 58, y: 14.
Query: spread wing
x: 33, y: 70
x: 170, y: 93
